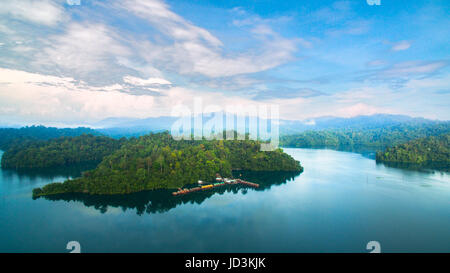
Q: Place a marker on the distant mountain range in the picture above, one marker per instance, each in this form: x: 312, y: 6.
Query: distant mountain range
x: 355, y: 123
x: 136, y: 127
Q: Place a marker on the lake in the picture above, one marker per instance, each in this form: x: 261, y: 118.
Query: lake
x: 339, y: 203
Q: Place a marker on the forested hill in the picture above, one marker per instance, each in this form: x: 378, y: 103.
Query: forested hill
x: 61, y: 151
x: 433, y: 149
x: 9, y: 136
x: 158, y: 161
x: 379, y: 137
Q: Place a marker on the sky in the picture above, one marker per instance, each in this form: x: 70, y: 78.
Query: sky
x: 76, y: 62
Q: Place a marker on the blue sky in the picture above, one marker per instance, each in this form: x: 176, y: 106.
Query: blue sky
x: 63, y: 63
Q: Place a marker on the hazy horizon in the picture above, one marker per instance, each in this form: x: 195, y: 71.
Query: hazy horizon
x: 102, y: 124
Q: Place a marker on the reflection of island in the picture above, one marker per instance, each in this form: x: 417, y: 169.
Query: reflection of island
x: 422, y: 167
x: 52, y: 173
x: 158, y: 201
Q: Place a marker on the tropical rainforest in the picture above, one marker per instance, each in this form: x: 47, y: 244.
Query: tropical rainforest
x: 158, y: 161
x: 62, y: 151
x: 14, y: 136
x: 419, y: 151
x: 377, y: 137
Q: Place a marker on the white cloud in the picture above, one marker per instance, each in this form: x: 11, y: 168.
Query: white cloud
x: 428, y: 84
x: 196, y: 58
x: 413, y: 68
x: 359, y: 109
x: 355, y: 95
x: 194, y: 50
x: 96, y: 52
x: 376, y: 63
x: 82, y: 49
x: 348, y: 103
x: 263, y: 30
x: 232, y: 83
x: 142, y: 67
x: 356, y: 27
x: 401, y: 73
x: 43, y: 12
x: 43, y: 98
x: 158, y: 13
x: 100, y: 60
x: 6, y: 30
x: 402, y: 45
x: 37, y: 98
x: 23, y: 49
x: 144, y: 82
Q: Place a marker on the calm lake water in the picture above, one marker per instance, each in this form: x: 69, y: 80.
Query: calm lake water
x: 339, y: 203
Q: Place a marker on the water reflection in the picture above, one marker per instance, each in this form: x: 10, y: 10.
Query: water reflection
x: 49, y: 173
x: 429, y: 167
x: 370, y: 152
x: 159, y: 201
x: 364, y: 150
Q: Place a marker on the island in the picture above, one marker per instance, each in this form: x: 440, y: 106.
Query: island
x: 428, y: 150
x: 157, y: 161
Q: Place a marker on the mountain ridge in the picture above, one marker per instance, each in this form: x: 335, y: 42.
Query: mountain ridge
x: 130, y: 126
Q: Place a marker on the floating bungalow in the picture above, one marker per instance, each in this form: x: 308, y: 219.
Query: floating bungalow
x: 223, y: 182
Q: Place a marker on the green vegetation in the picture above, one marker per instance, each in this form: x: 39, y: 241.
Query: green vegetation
x: 157, y: 161
x: 433, y: 149
x: 13, y: 136
x: 379, y: 137
x: 61, y: 151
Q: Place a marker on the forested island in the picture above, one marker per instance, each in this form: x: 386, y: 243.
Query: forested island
x: 379, y: 138
x: 157, y: 161
x: 62, y: 151
x: 433, y: 149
